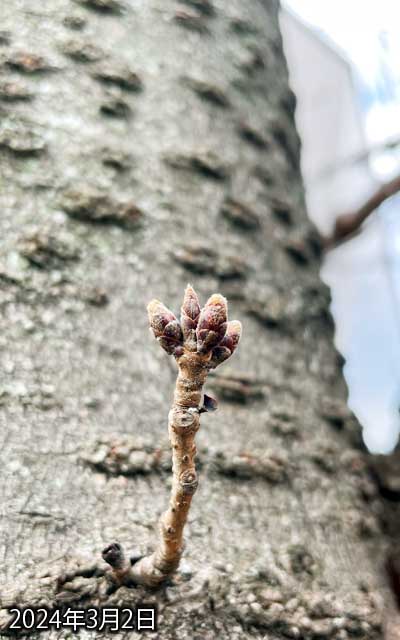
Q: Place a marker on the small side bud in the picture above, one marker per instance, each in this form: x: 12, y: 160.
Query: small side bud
x: 232, y: 336
x: 114, y: 555
x: 219, y: 355
x: 227, y: 345
x: 209, y: 404
x: 165, y: 326
x: 211, y: 327
x: 190, y: 312
x: 159, y: 317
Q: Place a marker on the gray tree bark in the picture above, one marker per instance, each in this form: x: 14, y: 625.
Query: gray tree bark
x: 141, y: 147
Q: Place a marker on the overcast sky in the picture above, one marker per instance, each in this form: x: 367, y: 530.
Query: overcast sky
x: 368, y: 31
x: 356, y: 26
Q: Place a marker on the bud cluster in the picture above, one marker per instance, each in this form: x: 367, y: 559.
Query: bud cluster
x: 203, y: 330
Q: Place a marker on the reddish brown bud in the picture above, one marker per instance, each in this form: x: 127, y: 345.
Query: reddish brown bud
x: 191, y: 304
x: 232, y: 335
x: 173, y: 331
x: 214, y: 313
x: 212, y: 323
x: 165, y: 326
x: 219, y: 355
x: 190, y: 312
x: 227, y: 345
x: 159, y: 317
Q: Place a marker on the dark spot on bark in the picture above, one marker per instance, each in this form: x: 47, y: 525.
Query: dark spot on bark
x: 286, y: 307
x: 242, y: 27
x: 314, y: 241
x: 95, y: 296
x: 203, y: 260
x: 115, y: 158
x: 209, y: 166
x: 104, y: 6
x: 110, y: 73
x: 253, y: 62
x: 334, y: 411
x: 297, y: 249
x: 82, y: 51
x: 204, y: 7
x: 246, y: 466
x: 21, y: 140
x: 115, y: 106
x: 266, y: 176
x: 301, y: 560
x: 289, y: 142
x: 75, y: 22
x: 205, y: 164
x: 46, y: 251
x: 288, y: 103
x: 197, y: 258
x: 240, y: 215
x: 253, y: 136
x: 12, y: 91
x: 29, y: 63
x: 191, y: 21
x: 90, y: 205
x: 127, y: 457
x: 271, y: 310
x: 284, y: 423
x: 281, y: 209
x: 230, y: 267
x: 237, y: 388
x: 208, y: 92
x: 326, y: 457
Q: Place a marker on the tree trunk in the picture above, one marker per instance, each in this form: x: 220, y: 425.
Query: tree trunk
x: 118, y: 188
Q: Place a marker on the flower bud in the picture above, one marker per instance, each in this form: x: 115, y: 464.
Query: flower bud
x: 165, y: 326
x: 212, y: 323
x: 191, y: 304
x: 232, y: 335
x: 159, y: 317
x: 219, y: 355
x: 227, y: 345
x: 190, y: 312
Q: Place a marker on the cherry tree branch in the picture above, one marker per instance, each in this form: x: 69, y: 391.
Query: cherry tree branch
x: 349, y: 224
x: 201, y: 341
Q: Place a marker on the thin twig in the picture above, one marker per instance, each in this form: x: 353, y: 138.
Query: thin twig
x: 349, y: 224
x: 200, y: 342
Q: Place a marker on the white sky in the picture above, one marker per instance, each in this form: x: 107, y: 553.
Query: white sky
x: 355, y: 26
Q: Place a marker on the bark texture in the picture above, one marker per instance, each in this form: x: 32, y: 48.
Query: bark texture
x: 140, y: 148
